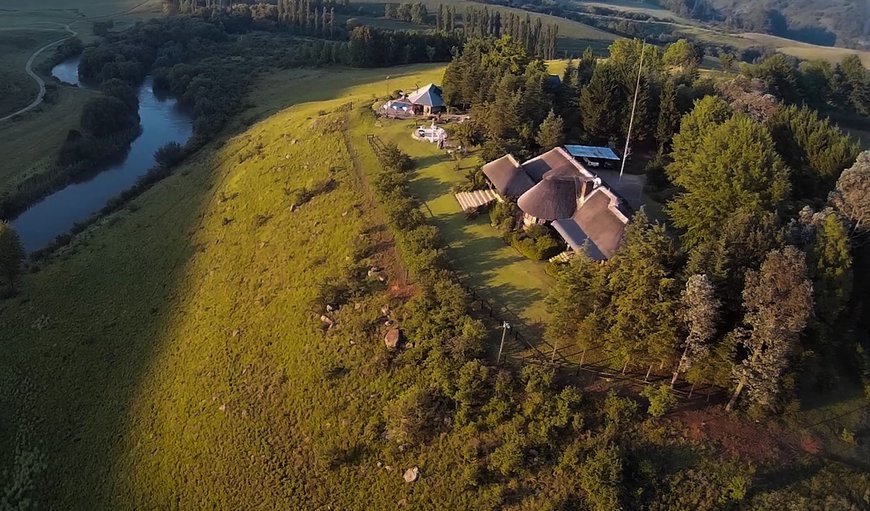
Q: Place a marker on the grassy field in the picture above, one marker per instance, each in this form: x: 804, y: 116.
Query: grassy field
x: 805, y: 50
x: 202, y: 378
x: 17, y: 89
x: 573, y: 38
x: 28, y: 144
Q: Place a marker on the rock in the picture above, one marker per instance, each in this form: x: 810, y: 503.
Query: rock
x: 329, y: 308
x: 402, y: 503
x: 385, y: 310
x: 326, y: 321
x: 292, y: 208
x: 380, y: 464
x: 388, y: 323
x: 388, y: 468
x: 357, y: 306
x: 236, y: 332
x: 222, y: 408
x: 393, y: 338
x: 411, y: 475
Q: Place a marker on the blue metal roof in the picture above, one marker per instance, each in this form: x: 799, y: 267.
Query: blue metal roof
x: 587, y: 151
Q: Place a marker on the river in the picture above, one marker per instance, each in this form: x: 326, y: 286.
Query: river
x: 163, y: 121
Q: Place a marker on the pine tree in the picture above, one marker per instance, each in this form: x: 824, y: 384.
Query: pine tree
x: 11, y: 255
x: 830, y: 264
x: 551, y: 132
x: 699, y: 313
x: 643, y: 296
x: 777, y: 300
x: 601, y: 103
x: 735, y: 167
x: 706, y: 115
x: 669, y: 115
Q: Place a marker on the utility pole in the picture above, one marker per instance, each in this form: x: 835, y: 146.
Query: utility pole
x: 504, y: 328
x: 633, y: 107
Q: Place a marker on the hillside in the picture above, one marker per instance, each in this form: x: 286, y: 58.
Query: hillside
x: 826, y: 22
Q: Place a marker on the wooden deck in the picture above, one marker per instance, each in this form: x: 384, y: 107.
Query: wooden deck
x: 469, y: 201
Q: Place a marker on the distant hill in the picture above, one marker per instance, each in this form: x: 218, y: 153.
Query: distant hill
x: 827, y: 22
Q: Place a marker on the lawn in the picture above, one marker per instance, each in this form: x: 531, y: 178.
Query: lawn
x: 476, y: 249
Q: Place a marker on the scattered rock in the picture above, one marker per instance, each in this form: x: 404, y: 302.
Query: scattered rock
x: 402, y: 503
x: 388, y: 468
x: 327, y: 322
x: 329, y: 308
x: 382, y: 278
x: 385, y: 310
x: 388, y: 323
x: 411, y: 475
x: 380, y: 464
x: 222, y: 408
x: 236, y: 332
x: 344, y: 214
x: 393, y: 338
x: 292, y: 208
x: 357, y: 306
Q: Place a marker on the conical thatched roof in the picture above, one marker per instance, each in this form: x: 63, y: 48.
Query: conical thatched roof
x: 553, y: 198
x: 507, y: 176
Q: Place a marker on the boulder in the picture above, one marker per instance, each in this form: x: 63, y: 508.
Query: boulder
x: 393, y: 338
x: 411, y: 475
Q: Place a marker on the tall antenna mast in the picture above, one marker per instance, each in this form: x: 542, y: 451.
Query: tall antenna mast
x: 633, y: 108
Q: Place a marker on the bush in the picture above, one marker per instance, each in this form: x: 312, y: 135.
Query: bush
x: 394, y: 159
x: 169, y: 155
x: 661, y: 399
x: 413, y: 416
x: 502, y: 216
x: 536, y: 243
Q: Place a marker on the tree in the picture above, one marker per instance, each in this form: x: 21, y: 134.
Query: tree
x: 734, y: 167
x: 601, y: 478
x: 11, y: 255
x: 669, y: 114
x: 778, y: 301
x: 814, y: 148
x: 643, y: 296
x: 681, y: 54
x: 830, y: 266
x: 601, y: 103
x: 661, y: 399
x: 706, y: 114
x: 551, y: 132
x: 852, y: 193
x: 699, y: 313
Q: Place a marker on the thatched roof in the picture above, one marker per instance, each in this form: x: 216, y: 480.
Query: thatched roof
x: 555, y: 162
x: 553, y: 198
x: 598, y: 225
x: 507, y: 176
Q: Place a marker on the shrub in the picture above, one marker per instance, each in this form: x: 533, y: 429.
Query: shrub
x: 601, y: 478
x: 394, y: 159
x: 169, y: 155
x: 536, y: 243
x: 661, y: 399
x: 502, y: 216
x: 412, y: 417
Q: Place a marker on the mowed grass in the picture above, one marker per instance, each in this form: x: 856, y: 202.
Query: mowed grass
x: 29, y: 144
x: 172, y: 356
x: 807, y: 51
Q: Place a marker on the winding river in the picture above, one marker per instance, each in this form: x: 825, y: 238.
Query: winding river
x: 163, y: 121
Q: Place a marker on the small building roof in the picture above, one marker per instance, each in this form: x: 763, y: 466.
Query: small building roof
x: 555, y: 162
x: 429, y: 95
x: 597, y: 225
x: 507, y: 176
x: 588, y: 151
x: 553, y: 198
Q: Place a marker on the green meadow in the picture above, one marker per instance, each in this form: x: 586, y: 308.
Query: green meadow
x: 173, y: 356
